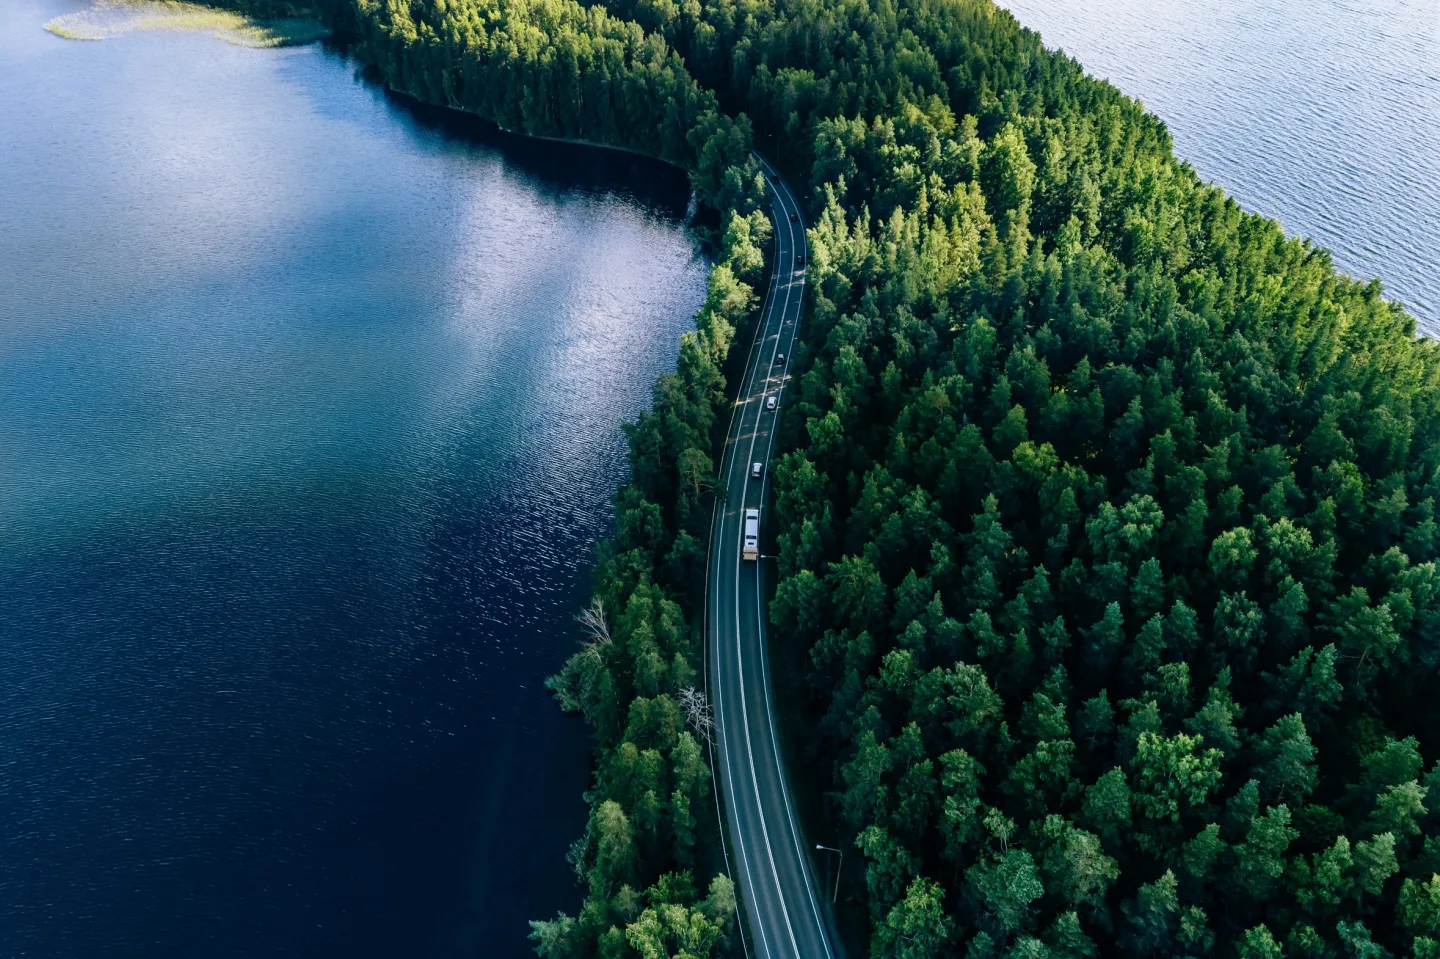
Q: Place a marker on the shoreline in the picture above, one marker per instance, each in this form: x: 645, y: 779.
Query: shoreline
x: 109, y: 19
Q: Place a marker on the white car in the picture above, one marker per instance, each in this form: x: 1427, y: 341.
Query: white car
x: 770, y: 403
x: 755, y: 469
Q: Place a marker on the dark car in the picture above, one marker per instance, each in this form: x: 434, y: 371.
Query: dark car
x: 779, y: 358
x: 794, y: 218
x: 800, y: 260
x: 774, y: 179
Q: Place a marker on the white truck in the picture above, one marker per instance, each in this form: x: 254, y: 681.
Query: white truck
x: 751, y: 548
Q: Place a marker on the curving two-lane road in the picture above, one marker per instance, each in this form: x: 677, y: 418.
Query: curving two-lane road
x: 769, y: 858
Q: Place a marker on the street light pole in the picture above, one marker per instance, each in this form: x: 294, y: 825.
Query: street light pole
x: 837, y: 869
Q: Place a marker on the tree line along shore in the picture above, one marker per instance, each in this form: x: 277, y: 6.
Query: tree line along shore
x: 1105, y: 520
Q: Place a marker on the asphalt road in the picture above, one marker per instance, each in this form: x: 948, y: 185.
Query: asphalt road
x: 785, y: 908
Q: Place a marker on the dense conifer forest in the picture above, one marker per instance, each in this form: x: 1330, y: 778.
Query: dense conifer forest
x: 1106, y: 528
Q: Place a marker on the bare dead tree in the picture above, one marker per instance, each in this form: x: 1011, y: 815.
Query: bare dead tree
x: 592, y: 621
x: 697, y: 712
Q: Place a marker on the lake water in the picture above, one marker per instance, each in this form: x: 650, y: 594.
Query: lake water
x: 1321, y: 114
x: 310, y: 407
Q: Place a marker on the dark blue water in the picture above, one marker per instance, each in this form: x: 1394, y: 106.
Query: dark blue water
x: 309, y: 415
x: 1321, y: 114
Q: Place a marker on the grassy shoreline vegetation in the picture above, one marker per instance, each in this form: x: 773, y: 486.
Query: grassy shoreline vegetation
x: 1106, y: 522
x: 113, y: 18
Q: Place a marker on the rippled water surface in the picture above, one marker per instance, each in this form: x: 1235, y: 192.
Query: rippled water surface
x: 309, y: 414
x: 1325, y: 115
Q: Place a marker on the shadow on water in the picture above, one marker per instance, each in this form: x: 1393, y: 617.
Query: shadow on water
x: 312, y: 424
x: 559, y: 166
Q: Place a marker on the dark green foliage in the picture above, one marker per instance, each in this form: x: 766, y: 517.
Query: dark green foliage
x: 652, y: 809
x: 558, y: 69
x: 1108, y: 519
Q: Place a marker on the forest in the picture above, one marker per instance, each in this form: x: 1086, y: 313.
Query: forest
x: 649, y: 861
x: 1106, y: 523
x: 1107, y: 527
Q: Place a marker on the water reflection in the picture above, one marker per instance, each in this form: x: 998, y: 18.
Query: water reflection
x: 309, y: 412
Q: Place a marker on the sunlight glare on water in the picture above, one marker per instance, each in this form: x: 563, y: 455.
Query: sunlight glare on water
x: 310, y: 408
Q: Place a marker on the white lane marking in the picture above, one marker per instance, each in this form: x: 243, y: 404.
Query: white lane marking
x: 717, y: 521
x: 709, y: 740
x: 801, y: 859
x: 739, y: 654
x: 763, y: 943
x: 755, y: 897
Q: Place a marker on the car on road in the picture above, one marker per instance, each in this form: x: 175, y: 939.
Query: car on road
x: 769, y: 405
x: 779, y: 358
x: 755, y: 469
x: 800, y: 260
x: 794, y: 218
